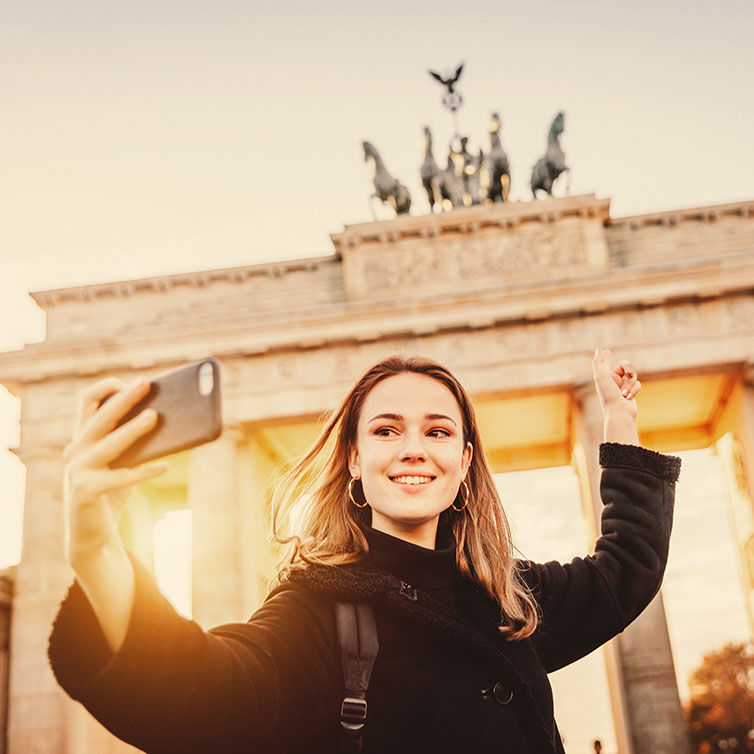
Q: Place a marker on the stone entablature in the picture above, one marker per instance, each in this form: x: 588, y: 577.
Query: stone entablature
x: 535, y: 354
x: 686, y: 235
x: 514, y: 254
x: 161, y: 303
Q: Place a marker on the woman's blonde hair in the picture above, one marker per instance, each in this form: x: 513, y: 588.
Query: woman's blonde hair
x: 312, y: 503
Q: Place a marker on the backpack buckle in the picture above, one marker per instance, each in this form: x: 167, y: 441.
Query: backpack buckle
x: 353, y: 713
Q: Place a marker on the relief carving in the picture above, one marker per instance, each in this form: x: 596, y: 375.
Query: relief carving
x: 682, y: 319
x: 655, y: 324
x: 741, y: 312
x: 513, y: 341
x: 471, y: 258
x: 627, y: 328
x: 568, y: 334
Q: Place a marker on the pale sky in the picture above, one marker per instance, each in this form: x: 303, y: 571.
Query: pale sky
x: 144, y: 138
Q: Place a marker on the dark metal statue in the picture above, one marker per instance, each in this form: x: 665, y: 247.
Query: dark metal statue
x: 387, y: 189
x: 430, y: 173
x: 498, y: 166
x: 451, y: 99
x: 471, y: 173
x: 452, y: 189
x: 549, y: 167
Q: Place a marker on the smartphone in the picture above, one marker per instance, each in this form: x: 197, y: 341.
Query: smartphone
x: 187, y: 401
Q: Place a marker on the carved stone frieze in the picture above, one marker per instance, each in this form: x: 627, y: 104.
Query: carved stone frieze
x: 740, y: 312
x: 466, y: 262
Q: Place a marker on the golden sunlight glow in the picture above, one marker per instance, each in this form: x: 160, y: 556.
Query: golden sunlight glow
x: 172, y: 558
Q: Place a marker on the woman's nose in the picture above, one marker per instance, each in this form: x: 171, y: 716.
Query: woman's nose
x: 412, y: 448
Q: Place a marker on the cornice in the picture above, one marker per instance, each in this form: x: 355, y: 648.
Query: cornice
x: 748, y: 374
x: 705, y: 214
x: 624, y: 289
x: 583, y: 392
x: 124, y: 288
x: 465, y: 220
x: 471, y: 220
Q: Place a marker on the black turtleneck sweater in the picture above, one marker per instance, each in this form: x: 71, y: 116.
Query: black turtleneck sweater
x: 433, y: 571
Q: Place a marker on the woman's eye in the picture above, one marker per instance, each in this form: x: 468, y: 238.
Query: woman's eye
x: 438, y: 433
x: 383, y: 431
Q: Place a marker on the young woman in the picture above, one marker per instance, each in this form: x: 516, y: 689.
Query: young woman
x: 394, y: 507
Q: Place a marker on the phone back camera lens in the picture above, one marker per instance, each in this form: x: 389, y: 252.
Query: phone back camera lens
x: 206, y: 379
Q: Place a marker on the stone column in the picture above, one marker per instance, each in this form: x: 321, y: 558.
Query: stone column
x: 214, y: 498
x: 641, y: 676
x: 734, y: 445
x: 259, y: 557
x: 37, y: 715
x: 746, y: 471
x: 6, y: 602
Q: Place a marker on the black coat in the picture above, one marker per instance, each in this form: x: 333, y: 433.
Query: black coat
x: 275, y: 684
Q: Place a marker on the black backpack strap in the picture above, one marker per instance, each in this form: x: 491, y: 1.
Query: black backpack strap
x: 357, y: 637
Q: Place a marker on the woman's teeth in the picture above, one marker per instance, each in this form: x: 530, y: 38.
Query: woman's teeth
x: 412, y: 479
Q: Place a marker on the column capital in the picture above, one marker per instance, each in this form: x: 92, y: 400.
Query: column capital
x: 582, y: 391
x: 233, y: 432
x: 588, y: 402
x: 748, y: 373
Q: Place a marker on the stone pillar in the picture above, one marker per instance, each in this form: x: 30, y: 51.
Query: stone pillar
x: 6, y: 606
x: 37, y: 714
x: 734, y: 445
x: 259, y: 556
x: 641, y: 676
x: 214, y: 498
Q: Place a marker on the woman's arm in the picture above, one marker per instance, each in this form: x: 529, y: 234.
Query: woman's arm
x: 173, y: 687
x: 589, y: 600
x: 586, y: 602
x: 94, y: 495
x: 152, y: 677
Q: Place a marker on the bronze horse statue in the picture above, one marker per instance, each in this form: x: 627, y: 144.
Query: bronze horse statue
x: 430, y: 173
x: 549, y: 167
x: 387, y: 189
x: 498, y: 166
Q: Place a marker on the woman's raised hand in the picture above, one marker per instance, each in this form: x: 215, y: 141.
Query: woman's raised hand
x: 93, y: 492
x: 617, y: 388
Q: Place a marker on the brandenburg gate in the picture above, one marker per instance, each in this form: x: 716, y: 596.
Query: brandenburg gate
x: 512, y: 297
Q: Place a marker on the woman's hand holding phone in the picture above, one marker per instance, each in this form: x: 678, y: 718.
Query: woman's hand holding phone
x: 94, y: 494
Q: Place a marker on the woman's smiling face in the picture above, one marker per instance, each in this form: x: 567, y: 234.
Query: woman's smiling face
x: 410, y: 455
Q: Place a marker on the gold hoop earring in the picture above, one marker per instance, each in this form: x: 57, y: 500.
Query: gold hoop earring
x: 350, y: 493
x: 464, y: 490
